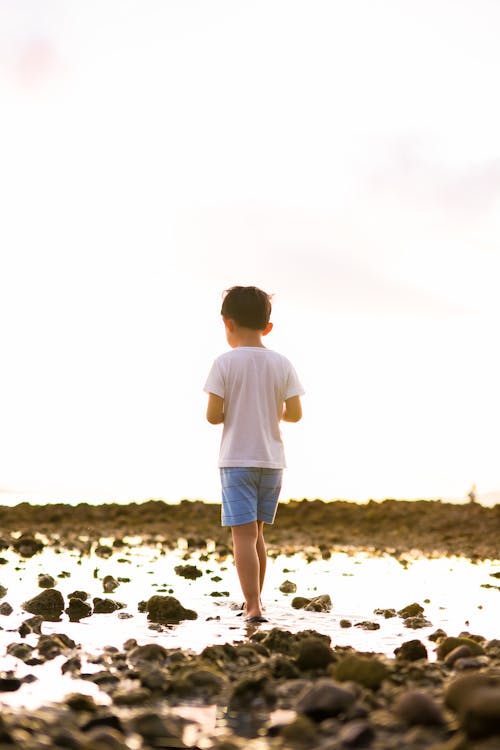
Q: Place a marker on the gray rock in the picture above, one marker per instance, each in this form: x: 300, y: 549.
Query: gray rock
x: 356, y: 733
x: 49, y: 604
x: 325, y: 698
x: 418, y: 707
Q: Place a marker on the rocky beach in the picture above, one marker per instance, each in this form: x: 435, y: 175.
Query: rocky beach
x: 120, y: 628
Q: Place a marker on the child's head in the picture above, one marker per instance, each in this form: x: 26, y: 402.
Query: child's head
x: 248, y: 306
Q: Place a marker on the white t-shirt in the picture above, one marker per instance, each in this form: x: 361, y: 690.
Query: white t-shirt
x: 254, y: 382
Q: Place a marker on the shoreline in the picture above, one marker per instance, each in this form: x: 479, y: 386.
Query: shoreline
x: 392, y: 526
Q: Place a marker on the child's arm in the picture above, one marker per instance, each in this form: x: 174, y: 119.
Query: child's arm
x: 292, y: 409
x: 215, y: 409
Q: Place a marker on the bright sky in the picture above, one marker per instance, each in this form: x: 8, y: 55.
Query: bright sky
x: 342, y: 155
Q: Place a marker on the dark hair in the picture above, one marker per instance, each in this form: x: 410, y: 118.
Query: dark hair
x: 248, y: 306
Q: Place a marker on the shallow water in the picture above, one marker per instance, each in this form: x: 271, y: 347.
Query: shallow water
x: 358, y: 582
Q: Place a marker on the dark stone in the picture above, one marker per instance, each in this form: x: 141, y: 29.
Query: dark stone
x: 480, y: 716
x: 109, y: 584
x: 368, y: 625
x: 253, y: 693
x: 81, y: 702
x: 417, y: 622
x: 168, y: 610
x: 314, y: 654
x: 345, y: 623
x: 50, y: 646
x: 411, y: 650
x: 159, y: 731
x: 151, y: 652
x: 106, y: 606
x: 49, y: 604
x: 78, y: 609
x: 27, y: 545
x: 299, y: 602
x: 365, y: 670
x: 356, y: 733
x: 106, y: 720
x: 460, y: 652
x: 83, y: 595
x: 46, y: 581
x: 448, y: 644
x: 6, y: 609
x: 323, y: 699
x: 188, y: 571
x: 459, y: 692
x: 411, y: 610
x: 3, y: 591
x: 387, y: 613
x: 20, y: 650
x: 279, y: 641
x: 417, y: 707
x: 103, y: 551
x: 287, y: 587
x: 31, y: 625
x: 9, y: 684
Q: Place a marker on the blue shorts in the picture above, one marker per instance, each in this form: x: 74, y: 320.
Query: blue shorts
x: 249, y: 494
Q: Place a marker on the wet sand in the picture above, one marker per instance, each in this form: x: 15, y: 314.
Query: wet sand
x: 270, y: 687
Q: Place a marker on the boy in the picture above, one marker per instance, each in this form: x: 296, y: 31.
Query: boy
x: 250, y: 389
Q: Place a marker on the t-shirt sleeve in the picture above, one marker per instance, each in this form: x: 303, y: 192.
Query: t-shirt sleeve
x: 215, y: 381
x: 293, y: 385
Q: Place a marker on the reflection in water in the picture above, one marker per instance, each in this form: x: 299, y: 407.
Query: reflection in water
x: 456, y: 595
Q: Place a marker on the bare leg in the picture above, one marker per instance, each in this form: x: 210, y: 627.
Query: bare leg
x: 261, y: 553
x: 247, y: 564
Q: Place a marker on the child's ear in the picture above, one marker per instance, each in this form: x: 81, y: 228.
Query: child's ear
x: 267, y: 329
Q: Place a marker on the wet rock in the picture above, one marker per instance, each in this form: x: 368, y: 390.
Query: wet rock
x: 50, y: 646
x: 437, y: 635
x: 155, y: 679
x: 4, y: 543
x: 365, y: 670
x: 480, y: 715
x: 6, y: 609
x: 106, y: 606
x: 9, y: 683
x: 78, y: 609
x: 283, y: 668
x: 345, y: 623
x: 192, y: 682
x: 411, y: 650
x: 81, y: 702
x: 27, y: 545
x: 72, y: 666
x: 188, y: 571
x: 131, y: 697
x: 321, y: 603
x: 109, y: 584
x: 49, y: 604
x: 159, y: 731
x: 253, y: 693
x: 418, y: 707
x: 323, y: 699
x: 417, y: 622
x: 3, y: 592
x: 168, y: 610
x: 411, y: 610
x: 449, y: 643
x: 278, y: 641
x: 83, y: 595
x: 356, y: 733
x: 31, y: 625
x: 107, y: 720
x: 368, y: 625
x: 46, y: 581
x: 104, y: 551
x: 460, y: 652
x: 299, y: 602
x: 287, y: 587
x: 460, y: 690
x: 314, y: 653
x: 151, y: 652
x: 20, y: 650
x: 471, y: 662
x: 387, y: 613
x: 300, y: 733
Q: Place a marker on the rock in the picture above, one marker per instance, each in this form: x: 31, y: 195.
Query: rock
x: 3, y: 591
x: 103, y: 551
x: 83, y: 595
x: 106, y: 606
x: 314, y: 654
x: 159, y: 731
x: 31, y: 625
x: 168, y: 610
x: 437, y: 635
x: 188, y: 571
x: 480, y: 715
x: 365, y: 670
x: 20, y: 650
x: 387, y: 613
x: 131, y: 697
x: 49, y: 604
x: 449, y: 643
x: 27, y: 545
x: 299, y: 602
x: 151, y: 652
x: 300, y: 733
x: 323, y: 699
x: 50, y: 646
x: 287, y: 587
x: 253, y: 693
x: 411, y: 610
x: 411, y: 651
x: 279, y: 641
x: 6, y: 609
x: 459, y: 692
x: 417, y: 622
x: 345, y: 624
x: 78, y: 609
x: 109, y: 584
x: 368, y: 625
x: 321, y: 603
x: 356, y: 733
x: 46, y: 581
x: 418, y: 707
x: 8, y: 683
x: 81, y: 702
x: 460, y: 652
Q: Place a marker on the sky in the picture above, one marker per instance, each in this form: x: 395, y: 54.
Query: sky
x: 343, y: 156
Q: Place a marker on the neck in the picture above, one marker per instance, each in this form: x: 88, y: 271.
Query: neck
x: 248, y: 337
